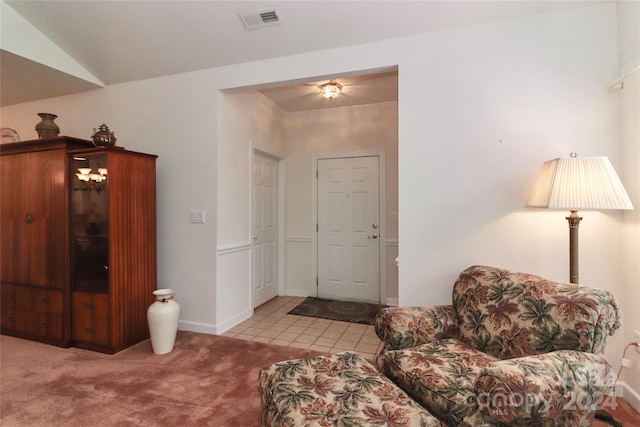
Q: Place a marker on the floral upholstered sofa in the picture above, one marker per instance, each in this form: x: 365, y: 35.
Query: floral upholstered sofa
x: 511, y: 349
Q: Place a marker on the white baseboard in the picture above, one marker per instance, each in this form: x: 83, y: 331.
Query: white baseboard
x: 204, y: 328
x: 223, y: 327
x: 392, y: 301
x: 629, y: 394
x: 207, y: 328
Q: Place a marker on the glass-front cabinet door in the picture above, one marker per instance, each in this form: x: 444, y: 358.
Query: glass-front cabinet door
x: 89, y: 223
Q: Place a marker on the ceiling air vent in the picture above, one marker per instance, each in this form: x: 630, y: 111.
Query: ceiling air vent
x: 261, y: 19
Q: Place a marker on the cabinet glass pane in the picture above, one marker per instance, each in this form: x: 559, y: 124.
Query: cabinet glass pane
x: 89, y: 223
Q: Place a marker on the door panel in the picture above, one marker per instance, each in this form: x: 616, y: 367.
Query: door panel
x: 32, y: 199
x: 47, y: 230
x: 348, y: 218
x: 14, y: 208
x: 265, y: 229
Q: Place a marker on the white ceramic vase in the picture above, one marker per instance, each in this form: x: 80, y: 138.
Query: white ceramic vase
x: 163, y: 317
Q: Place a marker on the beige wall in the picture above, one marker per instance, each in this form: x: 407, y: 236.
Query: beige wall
x: 335, y: 131
x: 247, y: 122
x: 629, y: 58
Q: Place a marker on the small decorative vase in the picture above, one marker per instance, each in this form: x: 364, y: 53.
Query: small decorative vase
x: 103, y: 136
x: 163, y: 317
x: 47, y: 128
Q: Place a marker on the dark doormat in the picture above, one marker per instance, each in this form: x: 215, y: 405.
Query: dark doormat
x: 346, y: 311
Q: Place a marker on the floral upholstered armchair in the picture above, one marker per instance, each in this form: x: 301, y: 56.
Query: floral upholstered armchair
x: 512, y: 349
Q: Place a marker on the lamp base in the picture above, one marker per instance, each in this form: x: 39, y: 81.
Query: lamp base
x: 574, y: 223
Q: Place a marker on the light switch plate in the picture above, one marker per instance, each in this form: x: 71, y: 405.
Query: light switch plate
x: 197, y: 217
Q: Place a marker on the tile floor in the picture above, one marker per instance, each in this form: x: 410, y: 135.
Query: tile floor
x: 271, y: 324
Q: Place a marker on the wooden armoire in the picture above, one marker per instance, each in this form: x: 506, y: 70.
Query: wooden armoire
x: 77, y: 243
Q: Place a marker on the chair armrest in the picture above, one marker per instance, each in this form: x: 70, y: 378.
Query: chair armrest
x: 404, y: 327
x: 563, y: 386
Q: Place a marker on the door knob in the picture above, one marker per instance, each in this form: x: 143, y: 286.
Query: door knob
x: 28, y: 218
x: 373, y: 236
x: 374, y: 226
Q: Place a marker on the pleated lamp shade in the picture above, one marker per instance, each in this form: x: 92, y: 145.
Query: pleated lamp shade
x: 578, y: 183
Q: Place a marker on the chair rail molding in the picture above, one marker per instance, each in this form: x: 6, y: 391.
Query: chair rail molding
x: 235, y: 247
x: 299, y: 239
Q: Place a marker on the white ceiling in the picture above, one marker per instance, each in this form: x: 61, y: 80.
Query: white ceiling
x: 122, y: 41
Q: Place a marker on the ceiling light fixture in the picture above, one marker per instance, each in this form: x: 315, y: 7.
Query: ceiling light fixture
x: 331, y: 90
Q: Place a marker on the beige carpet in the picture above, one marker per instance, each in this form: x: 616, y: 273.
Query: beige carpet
x: 206, y: 381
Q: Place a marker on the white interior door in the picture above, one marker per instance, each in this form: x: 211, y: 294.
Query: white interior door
x: 348, y: 229
x: 264, y: 219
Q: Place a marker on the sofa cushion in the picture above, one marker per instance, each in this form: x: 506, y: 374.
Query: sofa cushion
x: 341, y: 389
x: 561, y: 388
x: 509, y: 314
x: 439, y: 375
x: 402, y: 327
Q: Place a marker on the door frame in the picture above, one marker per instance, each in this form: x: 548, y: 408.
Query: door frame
x: 382, y: 170
x: 280, y: 220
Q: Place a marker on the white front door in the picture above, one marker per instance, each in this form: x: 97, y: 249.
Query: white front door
x: 348, y: 229
x: 264, y: 218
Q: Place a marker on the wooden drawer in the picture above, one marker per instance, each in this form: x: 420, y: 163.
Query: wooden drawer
x: 90, y: 320
x: 48, y: 301
x: 27, y: 310
x: 17, y: 315
x: 49, y: 326
x: 17, y: 296
x: 18, y: 320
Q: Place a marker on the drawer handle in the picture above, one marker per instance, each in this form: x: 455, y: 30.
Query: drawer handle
x: 12, y: 296
x: 89, y: 305
x: 45, y: 325
x: 90, y: 330
x: 28, y: 218
x: 45, y: 300
x: 11, y: 318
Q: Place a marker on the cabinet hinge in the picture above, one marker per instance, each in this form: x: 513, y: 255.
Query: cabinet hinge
x: 316, y: 173
x: 316, y: 227
x: 317, y: 282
